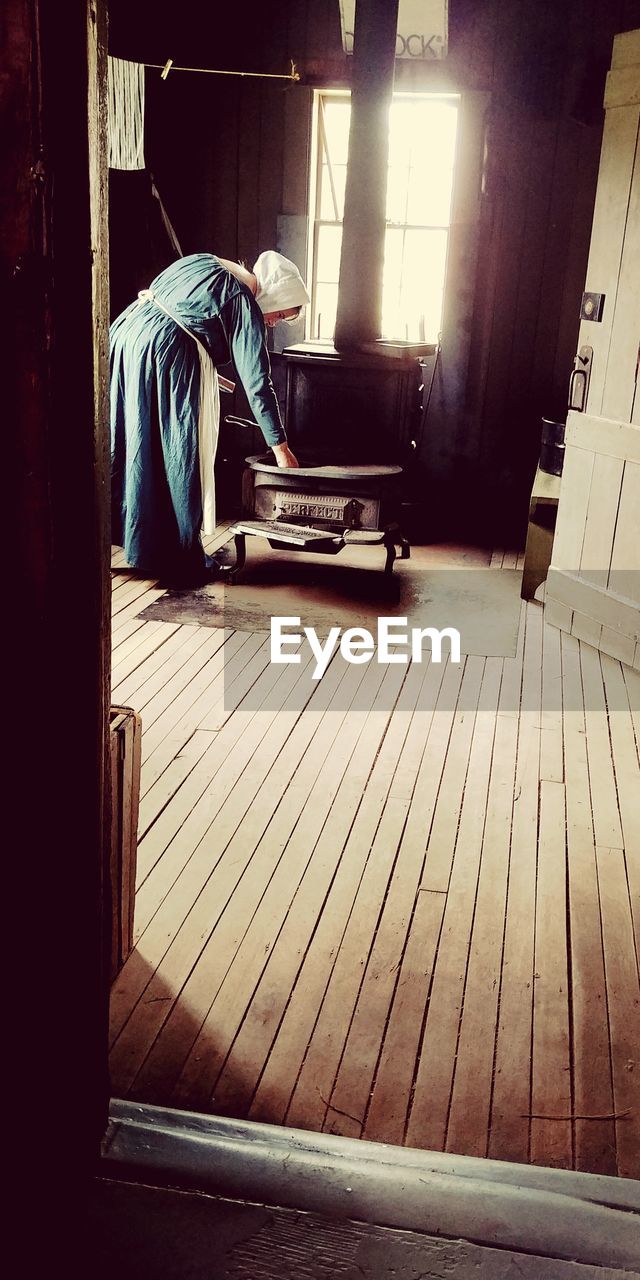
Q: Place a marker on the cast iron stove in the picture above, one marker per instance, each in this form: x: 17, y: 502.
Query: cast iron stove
x: 320, y: 508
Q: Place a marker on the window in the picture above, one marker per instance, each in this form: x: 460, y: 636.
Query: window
x: 422, y: 141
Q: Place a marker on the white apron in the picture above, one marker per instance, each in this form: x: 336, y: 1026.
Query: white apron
x: 208, y: 418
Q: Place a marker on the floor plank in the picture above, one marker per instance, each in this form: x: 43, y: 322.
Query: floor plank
x: 510, y: 1104
x: 623, y: 998
x: 232, y: 1045
x: 311, y: 1098
x: 625, y: 764
x: 157, y: 667
x: 183, y: 715
x: 551, y: 746
x: 604, y: 798
x: 353, y: 1086
x: 551, y: 1092
x: 368, y: 794
x: 196, y: 853
x: 592, y: 1083
x: 468, y: 1122
x: 434, y: 1078
x: 135, y: 649
x: 198, y: 800
x: 400, y: 902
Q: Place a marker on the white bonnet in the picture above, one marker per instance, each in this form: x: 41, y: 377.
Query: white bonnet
x: 280, y: 284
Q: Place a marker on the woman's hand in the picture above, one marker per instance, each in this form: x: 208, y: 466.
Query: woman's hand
x: 284, y: 457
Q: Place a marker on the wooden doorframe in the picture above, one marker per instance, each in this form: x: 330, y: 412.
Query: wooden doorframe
x: 54, y: 264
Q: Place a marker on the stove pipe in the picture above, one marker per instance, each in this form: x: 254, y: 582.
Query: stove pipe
x: 361, y: 263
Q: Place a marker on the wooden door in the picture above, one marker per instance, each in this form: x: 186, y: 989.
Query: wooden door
x: 593, y: 587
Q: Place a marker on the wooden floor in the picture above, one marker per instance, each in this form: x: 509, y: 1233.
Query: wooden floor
x: 361, y: 915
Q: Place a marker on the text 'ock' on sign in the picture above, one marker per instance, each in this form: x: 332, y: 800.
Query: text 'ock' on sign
x: 422, y: 28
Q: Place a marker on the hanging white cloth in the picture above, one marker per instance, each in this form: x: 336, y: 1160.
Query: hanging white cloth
x: 208, y: 417
x: 126, y: 114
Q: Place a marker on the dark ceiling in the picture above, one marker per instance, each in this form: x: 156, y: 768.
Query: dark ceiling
x: 201, y: 33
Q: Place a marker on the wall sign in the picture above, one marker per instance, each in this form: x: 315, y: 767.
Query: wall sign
x: 422, y: 28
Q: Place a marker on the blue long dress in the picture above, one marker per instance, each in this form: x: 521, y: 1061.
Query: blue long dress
x: 155, y: 388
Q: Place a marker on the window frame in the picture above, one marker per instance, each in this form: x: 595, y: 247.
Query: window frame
x: 318, y: 149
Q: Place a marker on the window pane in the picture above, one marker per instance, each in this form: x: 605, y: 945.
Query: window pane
x: 397, y: 182
x: 422, y: 143
x: 328, y: 255
x: 433, y: 153
x: 327, y: 207
x: 429, y: 197
x: 337, y: 117
x: 326, y: 302
x: 401, y: 118
x: 413, y: 288
x: 392, y: 281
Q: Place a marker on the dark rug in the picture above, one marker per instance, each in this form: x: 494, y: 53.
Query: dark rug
x: 437, y: 587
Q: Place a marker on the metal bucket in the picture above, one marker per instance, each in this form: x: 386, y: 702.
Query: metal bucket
x: 552, y: 447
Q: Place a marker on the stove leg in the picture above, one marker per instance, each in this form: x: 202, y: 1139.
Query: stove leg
x: 391, y: 555
x: 394, y: 539
x: 241, y: 556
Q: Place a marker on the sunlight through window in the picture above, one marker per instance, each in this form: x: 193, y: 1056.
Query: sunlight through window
x: 422, y: 143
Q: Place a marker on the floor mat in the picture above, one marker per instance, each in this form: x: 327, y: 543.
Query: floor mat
x: 432, y: 589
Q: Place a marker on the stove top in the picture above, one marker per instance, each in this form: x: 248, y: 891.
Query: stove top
x: 325, y: 471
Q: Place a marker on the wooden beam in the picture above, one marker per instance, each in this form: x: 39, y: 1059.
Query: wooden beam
x: 54, y: 265
x: 626, y: 49
x: 623, y: 87
x: 606, y: 436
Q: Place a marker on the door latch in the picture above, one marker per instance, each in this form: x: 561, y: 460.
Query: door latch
x: 579, y: 380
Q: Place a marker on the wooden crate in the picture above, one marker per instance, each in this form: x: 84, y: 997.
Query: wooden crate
x: 126, y: 736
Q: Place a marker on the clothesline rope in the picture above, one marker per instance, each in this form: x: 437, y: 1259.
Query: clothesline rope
x: 168, y: 66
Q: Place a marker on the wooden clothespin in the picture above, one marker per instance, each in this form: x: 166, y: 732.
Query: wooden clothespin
x: 166, y: 69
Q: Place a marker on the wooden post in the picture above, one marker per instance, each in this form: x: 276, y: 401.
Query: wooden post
x: 361, y: 263
x: 56, y: 482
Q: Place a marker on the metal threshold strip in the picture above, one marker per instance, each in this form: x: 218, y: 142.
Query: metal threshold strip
x: 551, y: 1213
